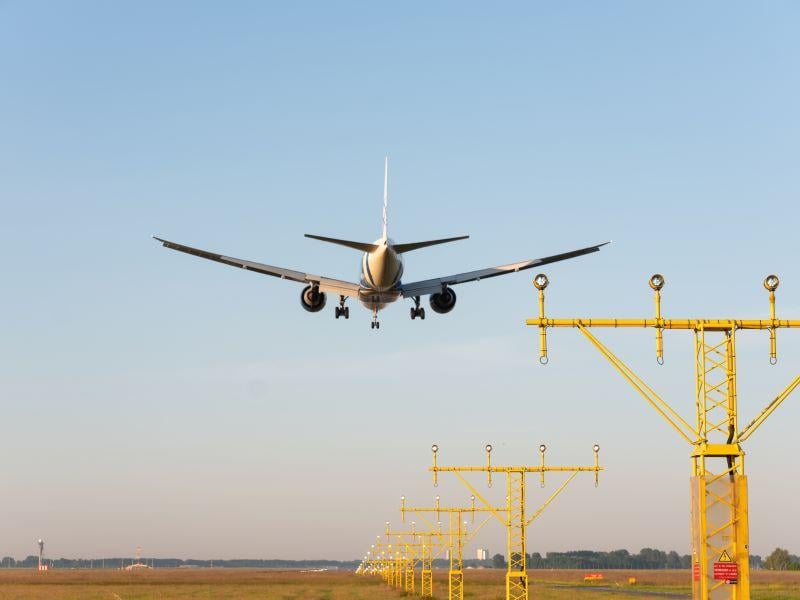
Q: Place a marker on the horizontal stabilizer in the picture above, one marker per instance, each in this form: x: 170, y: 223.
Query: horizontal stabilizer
x: 400, y: 248
x: 364, y: 247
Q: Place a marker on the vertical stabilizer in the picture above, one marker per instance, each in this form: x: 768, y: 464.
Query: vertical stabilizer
x: 385, y: 197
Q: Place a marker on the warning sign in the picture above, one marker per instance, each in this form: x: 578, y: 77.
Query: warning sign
x: 726, y: 571
x: 725, y: 557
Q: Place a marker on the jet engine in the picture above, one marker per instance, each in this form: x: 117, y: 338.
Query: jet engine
x: 444, y: 302
x: 312, y: 299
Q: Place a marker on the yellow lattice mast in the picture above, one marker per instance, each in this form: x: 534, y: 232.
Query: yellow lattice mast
x: 422, y: 546
x: 376, y: 562
x: 513, y: 515
x: 458, y: 534
x: 720, y: 554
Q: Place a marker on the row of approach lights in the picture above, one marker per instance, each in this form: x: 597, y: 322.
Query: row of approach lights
x: 657, y: 281
x: 488, y: 448
x: 542, y: 448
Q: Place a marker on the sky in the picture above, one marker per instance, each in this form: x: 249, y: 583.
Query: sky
x: 153, y: 399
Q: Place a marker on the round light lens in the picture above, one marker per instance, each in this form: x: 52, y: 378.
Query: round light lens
x: 596, y: 448
x: 772, y: 282
x: 540, y: 281
x: 657, y: 281
x: 542, y: 448
x: 435, y: 448
x: 488, y: 447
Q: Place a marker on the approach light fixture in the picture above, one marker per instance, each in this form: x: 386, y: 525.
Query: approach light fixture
x: 540, y: 281
x: 772, y: 282
x: 657, y: 281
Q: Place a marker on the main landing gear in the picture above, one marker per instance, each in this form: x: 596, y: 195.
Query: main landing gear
x: 375, y: 323
x: 342, y: 310
x: 417, y: 311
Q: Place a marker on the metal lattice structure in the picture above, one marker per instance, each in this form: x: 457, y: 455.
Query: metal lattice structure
x: 513, y: 515
x: 720, y: 553
x: 456, y: 537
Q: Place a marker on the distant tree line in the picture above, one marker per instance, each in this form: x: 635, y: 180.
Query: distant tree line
x: 781, y: 560
x: 647, y: 558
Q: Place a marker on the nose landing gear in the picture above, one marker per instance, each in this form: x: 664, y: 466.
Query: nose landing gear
x: 375, y: 323
x: 342, y: 310
x: 417, y: 310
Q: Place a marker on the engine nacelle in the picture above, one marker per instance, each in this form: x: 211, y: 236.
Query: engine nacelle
x: 443, y: 303
x: 312, y: 299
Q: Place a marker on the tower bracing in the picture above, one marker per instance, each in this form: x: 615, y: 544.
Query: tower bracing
x: 513, y: 514
x: 719, y: 513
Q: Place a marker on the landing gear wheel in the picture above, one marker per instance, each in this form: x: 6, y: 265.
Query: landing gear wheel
x: 417, y: 311
x: 342, y: 310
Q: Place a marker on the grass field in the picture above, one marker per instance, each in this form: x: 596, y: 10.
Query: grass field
x: 241, y: 584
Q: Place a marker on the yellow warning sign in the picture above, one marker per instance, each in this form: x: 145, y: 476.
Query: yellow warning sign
x: 725, y: 557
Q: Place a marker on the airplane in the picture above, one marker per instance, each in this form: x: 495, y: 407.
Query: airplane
x: 381, y: 271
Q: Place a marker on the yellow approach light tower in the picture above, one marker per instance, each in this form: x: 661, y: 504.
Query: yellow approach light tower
x: 423, y: 550
x: 513, y: 516
x: 720, y: 554
x: 457, y: 536
x: 410, y: 550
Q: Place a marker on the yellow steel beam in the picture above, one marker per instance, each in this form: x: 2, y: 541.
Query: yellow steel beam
x: 487, y: 505
x: 685, y: 324
x: 755, y: 423
x: 516, y: 469
x: 551, y: 498
x: 678, y: 423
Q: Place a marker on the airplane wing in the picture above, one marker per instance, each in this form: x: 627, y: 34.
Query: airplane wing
x: 334, y: 286
x: 434, y: 286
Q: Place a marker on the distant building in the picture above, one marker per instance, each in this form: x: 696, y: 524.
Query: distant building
x: 483, y: 554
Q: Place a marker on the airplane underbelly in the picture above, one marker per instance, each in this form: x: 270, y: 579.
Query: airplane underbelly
x: 373, y: 299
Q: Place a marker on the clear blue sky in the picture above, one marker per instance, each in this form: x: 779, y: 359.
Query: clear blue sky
x: 149, y: 398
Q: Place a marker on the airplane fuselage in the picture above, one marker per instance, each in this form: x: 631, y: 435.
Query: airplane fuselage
x: 381, y: 271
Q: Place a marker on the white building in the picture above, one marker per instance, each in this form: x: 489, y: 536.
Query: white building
x: 483, y: 554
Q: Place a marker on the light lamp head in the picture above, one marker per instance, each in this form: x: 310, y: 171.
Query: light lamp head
x: 542, y: 448
x: 772, y: 282
x: 540, y: 282
x: 657, y: 281
x: 488, y: 448
x: 596, y: 448
x: 434, y: 448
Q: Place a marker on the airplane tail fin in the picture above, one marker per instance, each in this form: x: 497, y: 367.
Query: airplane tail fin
x: 400, y: 248
x: 364, y: 247
x: 385, y: 197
